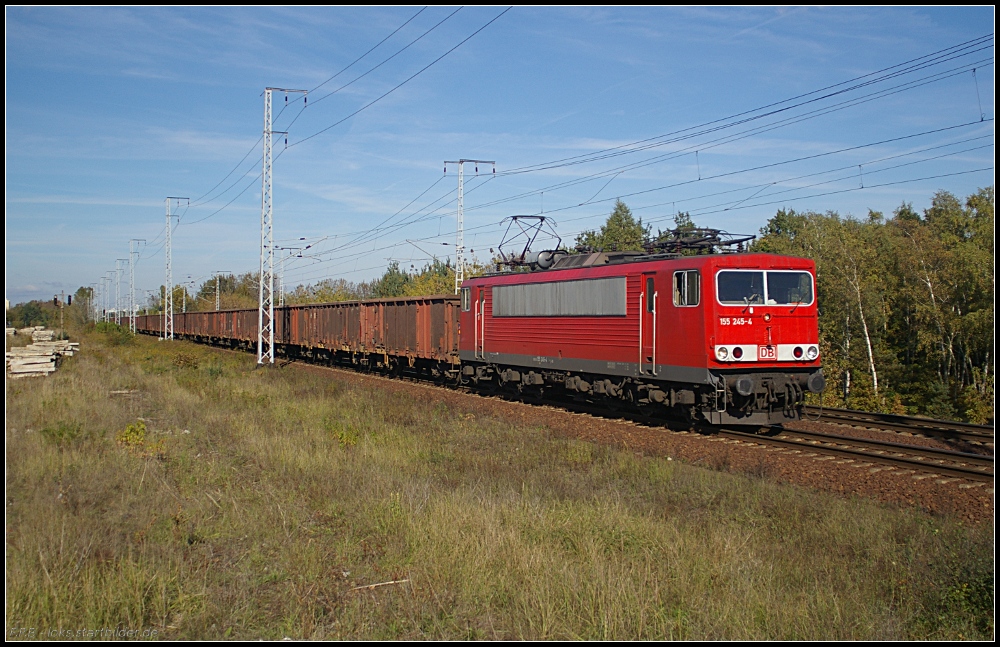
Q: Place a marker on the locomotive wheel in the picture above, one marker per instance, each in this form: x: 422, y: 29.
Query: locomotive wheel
x: 491, y: 385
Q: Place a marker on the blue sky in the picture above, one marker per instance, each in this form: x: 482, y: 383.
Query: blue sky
x: 111, y: 110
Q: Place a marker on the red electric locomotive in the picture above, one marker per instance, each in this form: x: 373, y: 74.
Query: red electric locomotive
x: 718, y: 338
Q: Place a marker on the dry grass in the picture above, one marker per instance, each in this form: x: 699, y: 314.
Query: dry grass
x: 256, y: 501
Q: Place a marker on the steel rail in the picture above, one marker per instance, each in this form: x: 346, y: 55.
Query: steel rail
x: 927, y: 452
x: 974, y: 469
x: 939, y: 428
x: 963, y: 465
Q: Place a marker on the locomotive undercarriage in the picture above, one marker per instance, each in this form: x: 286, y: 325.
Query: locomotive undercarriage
x: 763, y: 398
x: 742, y: 398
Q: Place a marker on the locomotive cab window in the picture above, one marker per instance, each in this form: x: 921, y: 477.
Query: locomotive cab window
x: 773, y: 287
x: 788, y: 288
x: 466, y: 299
x: 740, y: 288
x: 687, y: 288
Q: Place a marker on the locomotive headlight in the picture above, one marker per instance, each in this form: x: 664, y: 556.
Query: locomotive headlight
x: 812, y: 353
x: 722, y: 353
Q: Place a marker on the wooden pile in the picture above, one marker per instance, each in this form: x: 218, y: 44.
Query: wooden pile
x: 38, y: 359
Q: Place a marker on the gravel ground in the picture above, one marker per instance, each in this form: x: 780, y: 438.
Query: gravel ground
x: 969, y: 501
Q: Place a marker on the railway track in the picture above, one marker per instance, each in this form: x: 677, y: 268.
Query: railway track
x: 859, y: 451
x: 942, y: 462
x: 944, y: 429
x: 932, y: 461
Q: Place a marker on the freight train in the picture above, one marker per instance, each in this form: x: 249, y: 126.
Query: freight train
x: 717, y: 338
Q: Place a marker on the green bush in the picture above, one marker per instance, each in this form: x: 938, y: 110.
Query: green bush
x: 115, y: 335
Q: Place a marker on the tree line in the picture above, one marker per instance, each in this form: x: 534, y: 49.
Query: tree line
x: 906, y: 303
x: 242, y: 290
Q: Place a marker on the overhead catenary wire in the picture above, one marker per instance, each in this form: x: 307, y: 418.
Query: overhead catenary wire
x: 413, y: 218
x: 349, y: 66
x: 763, y: 166
x: 727, y: 139
x: 384, y: 61
x: 496, y: 229
x: 348, y: 116
x: 827, y: 193
x: 765, y: 185
x: 745, y: 170
x: 377, y: 45
x: 944, y: 55
x: 756, y: 186
x: 896, y: 71
x: 401, y: 84
x: 759, y: 167
x: 914, y: 64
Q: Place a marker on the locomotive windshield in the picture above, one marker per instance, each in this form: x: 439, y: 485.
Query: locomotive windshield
x: 788, y: 288
x: 741, y: 288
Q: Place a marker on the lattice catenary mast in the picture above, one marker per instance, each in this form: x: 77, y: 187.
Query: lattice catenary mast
x: 107, y: 294
x: 168, y: 288
x: 132, y: 255
x: 218, y: 277
x: 265, y: 310
x: 119, y: 267
x: 460, y: 233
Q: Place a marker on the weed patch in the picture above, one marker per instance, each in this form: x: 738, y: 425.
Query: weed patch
x: 115, y: 335
x: 62, y: 433
x: 133, y: 438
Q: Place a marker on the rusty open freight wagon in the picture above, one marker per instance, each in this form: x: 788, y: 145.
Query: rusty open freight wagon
x: 405, y: 331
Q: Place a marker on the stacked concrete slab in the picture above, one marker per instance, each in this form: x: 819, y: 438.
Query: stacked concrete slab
x: 40, y: 358
x: 42, y: 335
